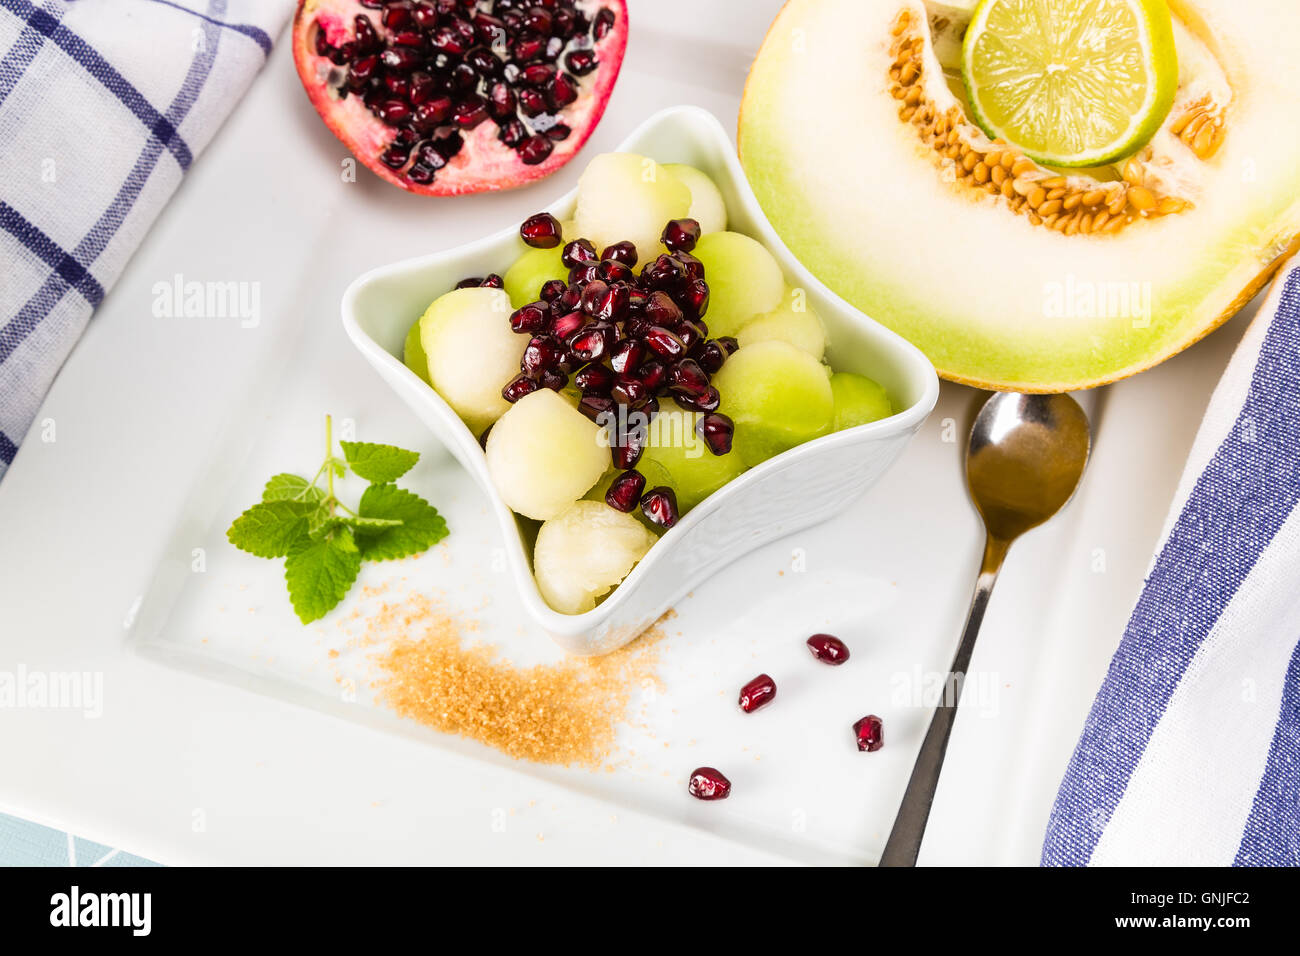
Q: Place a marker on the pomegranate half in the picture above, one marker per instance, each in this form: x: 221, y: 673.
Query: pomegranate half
x: 445, y: 97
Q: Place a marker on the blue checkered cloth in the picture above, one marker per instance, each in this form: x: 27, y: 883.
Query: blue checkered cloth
x: 1191, y: 755
x: 104, y: 105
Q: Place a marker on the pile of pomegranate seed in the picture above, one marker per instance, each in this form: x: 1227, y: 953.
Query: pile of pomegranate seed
x: 433, y: 69
x: 625, y: 339
x: 706, y: 783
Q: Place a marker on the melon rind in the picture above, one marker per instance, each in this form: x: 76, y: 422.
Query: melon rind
x: 992, y: 300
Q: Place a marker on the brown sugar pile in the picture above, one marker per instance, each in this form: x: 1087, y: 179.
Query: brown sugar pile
x: 563, y: 713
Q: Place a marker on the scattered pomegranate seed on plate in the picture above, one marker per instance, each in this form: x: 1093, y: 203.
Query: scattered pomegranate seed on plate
x: 757, y: 693
x: 706, y: 783
x: 870, y: 733
x: 828, y: 649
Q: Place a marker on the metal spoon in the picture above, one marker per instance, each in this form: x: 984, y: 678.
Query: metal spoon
x: 1024, y: 460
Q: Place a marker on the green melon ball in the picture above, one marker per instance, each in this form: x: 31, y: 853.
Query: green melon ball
x: 778, y: 396
x: 678, y: 457
x: 533, y: 269
x: 626, y: 196
x: 858, y: 400
x: 794, y: 321
x: 413, y: 353
x: 543, y: 455
x: 472, y: 352
x: 707, y: 206
x: 744, y: 280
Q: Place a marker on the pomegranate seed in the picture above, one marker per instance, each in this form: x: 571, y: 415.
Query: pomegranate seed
x: 492, y: 281
x: 364, y: 34
x: 531, y: 318
x: 432, y: 114
x: 541, y: 231
x: 625, y: 491
x: 828, y: 649
x: 425, y: 16
x: 630, y: 392
x: 624, y: 252
x: 473, y: 282
x: 694, y: 298
x: 552, y: 289
x: 660, y: 506
x: 688, y: 380
x: 568, y: 324
x: 518, y: 387
x: 612, y: 271
x: 662, y: 310
x: 652, y: 375
x: 501, y: 101
x: 554, y: 379
x: 681, y: 234
x: 592, y: 294
x: 690, y: 334
x: 513, y: 133
x: 470, y: 113
x: 400, y: 59
x: 562, y: 91
x: 580, y: 62
x: 542, y: 352
x: 420, y: 88
x: 729, y: 344
x: 717, y: 430
x: 627, y: 357
x: 707, y: 402
x: 629, y: 447
x: 665, y: 343
x: 395, y: 157
x: 396, y: 16
x: 393, y: 112
x: 757, y: 693
x: 692, y: 268
x: 604, y: 23
x: 594, y: 379
x: 706, y: 783
x: 711, y: 357
x: 588, y: 346
x: 535, y: 149
x: 612, y: 305
x: 538, y: 18
x: 870, y: 733
x: 411, y: 38
x: 531, y: 103
x: 664, y: 273
x: 577, y: 253
x: 596, y: 406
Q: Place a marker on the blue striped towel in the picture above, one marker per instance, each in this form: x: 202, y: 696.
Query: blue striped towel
x: 103, y: 106
x: 1191, y: 755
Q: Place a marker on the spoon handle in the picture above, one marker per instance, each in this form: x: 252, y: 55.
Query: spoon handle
x: 909, y: 826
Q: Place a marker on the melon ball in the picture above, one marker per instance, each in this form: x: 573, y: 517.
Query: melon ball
x: 744, y: 280
x: 858, y: 400
x: 626, y: 196
x: 777, y: 395
x: 582, y: 553
x: 534, y: 268
x: 472, y: 352
x: 707, y: 207
x: 678, y: 457
x: 793, y: 321
x: 413, y: 353
x: 543, y: 454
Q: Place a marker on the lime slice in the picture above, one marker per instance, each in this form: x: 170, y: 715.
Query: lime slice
x: 1071, y: 82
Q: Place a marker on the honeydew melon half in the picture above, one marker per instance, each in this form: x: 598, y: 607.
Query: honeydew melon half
x: 995, y: 289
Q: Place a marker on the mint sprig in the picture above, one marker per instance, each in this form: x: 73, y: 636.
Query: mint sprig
x: 322, y: 540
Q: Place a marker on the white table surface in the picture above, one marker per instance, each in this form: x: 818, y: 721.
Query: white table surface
x: 82, y: 520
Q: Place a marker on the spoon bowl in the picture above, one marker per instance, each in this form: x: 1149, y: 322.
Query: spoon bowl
x: 1024, y: 460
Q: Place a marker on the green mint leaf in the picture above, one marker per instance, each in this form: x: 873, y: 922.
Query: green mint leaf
x: 371, y: 524
x: 378, y: 463
x: 271, y: 528
x: 421, y: 528
x: 288, y: 487
x: 319, y: 573
x: 320, y: 521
